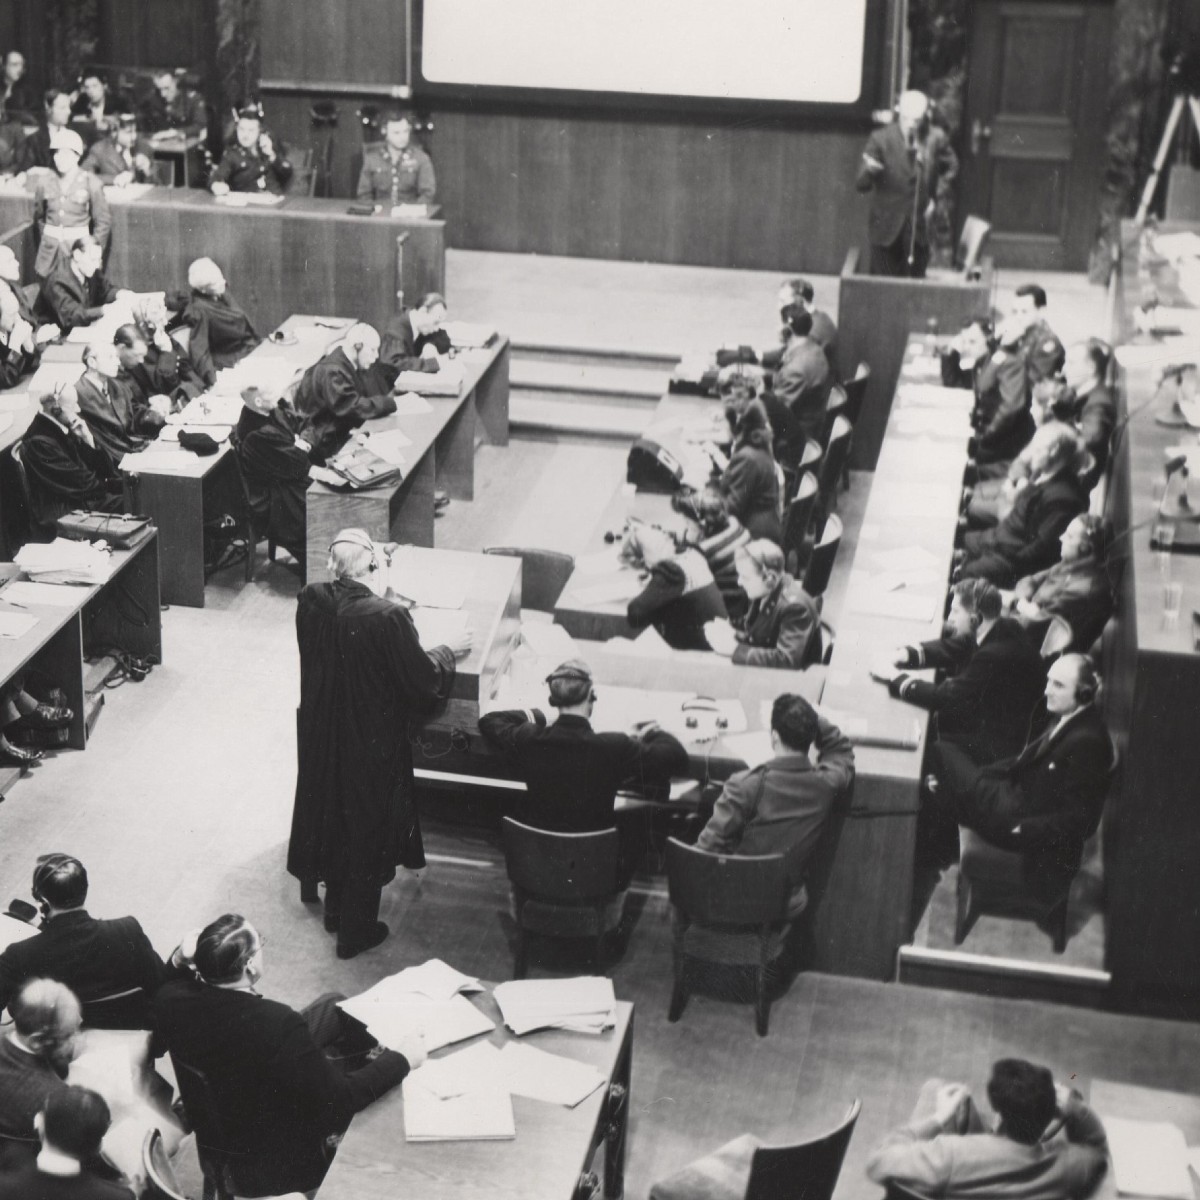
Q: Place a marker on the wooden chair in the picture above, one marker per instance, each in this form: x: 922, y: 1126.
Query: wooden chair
x: 833, y: 465
x: 160, y: 1177
x: 1058, y: 639
x: 206, y: 1122
x: 246, y: 519
x: 824, y: 553
x: 796, y: 521
x: 856, y: 392
x: 129, y: 1009
x: 729, y: 909
x: 810, y: 460
x: 1006, y: 883
x: 162, y: 172
x: 29, y: 528
x: 835, y: 407
x: 565, y: 885
x: 544, y: 574
x: 745, y: 1169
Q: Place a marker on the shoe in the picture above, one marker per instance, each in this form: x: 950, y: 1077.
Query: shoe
x: 308, y: 891
x: 332, y: 920
x: 14, y: 756
x: 377, y: 934
x: 46, y: 716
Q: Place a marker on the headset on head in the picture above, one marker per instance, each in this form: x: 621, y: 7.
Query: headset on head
x: 356, y: 537
x: 573, y: 671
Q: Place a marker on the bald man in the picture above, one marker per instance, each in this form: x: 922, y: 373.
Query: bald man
x: 901, y: 167
x: 339, y: 393
x: 221, y: 332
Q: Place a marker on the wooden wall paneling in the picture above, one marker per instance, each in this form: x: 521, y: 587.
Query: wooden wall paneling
x: 483, y: 209
x: 705, y: 196
x: 756, y: 170
x: 592, y: 193
x: 154, y: 33
x: 544, y: 167
x: 355, y: 41
x: 649, y: 190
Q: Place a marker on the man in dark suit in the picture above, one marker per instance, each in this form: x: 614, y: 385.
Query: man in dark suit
x: 280, y: 1103
x: 220, y: 332
x: 96, y: 959
x: 120, y: 421
x: 34, y: 1057
x: 414, y: 337
x: 1046, y: 801
x: 341, y: 391
x: 799, y: 293
x: 76, y: 289
x: 71, y: 1126
x: 120, y: 157
x: 19, y: 349
x: 901, y: 167
x: 993, y: 675
x: 783, y: 804
x: 804, y: 378
x: 571, y: 772
x: 1085, y: 369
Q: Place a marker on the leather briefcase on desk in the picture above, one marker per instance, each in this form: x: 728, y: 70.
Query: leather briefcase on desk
x: 361, y: 467
x: 121, y: 530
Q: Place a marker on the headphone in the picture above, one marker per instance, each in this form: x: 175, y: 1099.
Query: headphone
x: 1087, y: 683
x: 355, y: 537
x: 577, y: 673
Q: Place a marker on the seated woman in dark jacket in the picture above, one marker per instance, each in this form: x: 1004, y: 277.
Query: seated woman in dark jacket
x: 717, y: 534
x: 783, y: 625
x: 680, y: 597
x: 1027, y: 539
x: 750, y: 483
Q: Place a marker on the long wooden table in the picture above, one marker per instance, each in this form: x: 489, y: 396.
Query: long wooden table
x: 1152, y: 692
x: 553, y: 1149
x: 305, y: 254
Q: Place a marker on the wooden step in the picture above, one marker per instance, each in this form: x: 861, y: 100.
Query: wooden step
x: 552, y: 415
x: 589, y: 379
x: 1011, y: 977
x: 532, y: 348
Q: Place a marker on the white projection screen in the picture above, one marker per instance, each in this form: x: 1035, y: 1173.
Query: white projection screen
x: 789, y: 51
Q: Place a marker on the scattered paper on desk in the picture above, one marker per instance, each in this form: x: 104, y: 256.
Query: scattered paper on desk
x: 872, y: 600
x: 326, y: 476
x: 553, y: 1078
x: 388, y: 444
x: 245, y: 199
x: 410, y: 211
x: 851, y: 724
x: 440, y: 1022
x: 16, y: 625
x: 159, y: 462
x: 1150, y: 1158
x: 438, y: 626
x: 477, y: 1068
x: 620, y: 587
x: 446, y: 381
x: 64, y: 561
x: 434, y: 979
x: 585, y: 1004
x: 753, y: 748
x: 442, y: 586
x: 56, y: 595
x: 473, y: 1116
x: 410, y: 404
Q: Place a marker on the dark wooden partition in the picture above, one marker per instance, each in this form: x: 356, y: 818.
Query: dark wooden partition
x: 875, y: 317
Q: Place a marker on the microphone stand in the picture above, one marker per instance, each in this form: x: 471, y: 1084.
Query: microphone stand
x: 918, y: 168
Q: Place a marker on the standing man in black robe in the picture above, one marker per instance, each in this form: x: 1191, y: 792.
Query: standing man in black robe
x: 363, y: 676
x: 344, y: 389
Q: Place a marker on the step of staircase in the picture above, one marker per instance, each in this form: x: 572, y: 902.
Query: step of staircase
x: 1009, y: 977
x: 539, y: 413
x: 544, y: 351
x: 628, y: 384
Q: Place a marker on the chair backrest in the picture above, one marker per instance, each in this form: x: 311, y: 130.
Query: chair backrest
x: 897, y: 1191
x: 162, y: 172
x: 811, y: 457
x: 797, y: 520
x: 725, y: 889
x: 807, y: 1171
x: 856, y: 392
x: 975, y: 231
x: 836, y: 454
x: 544, y: 574
x: 129, y: 1009
x: 568, y: 867
x: 820, y: 564
x: 835, y: 407
x: 1058, y: 638
x: 202, y: 1112
x: 160, y: 1178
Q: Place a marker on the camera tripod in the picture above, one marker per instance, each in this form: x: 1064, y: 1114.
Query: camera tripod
x: 1181, y: 103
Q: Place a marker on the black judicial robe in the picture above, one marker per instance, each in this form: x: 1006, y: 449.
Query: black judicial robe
x: 221, y: 334
x: 363, y: 677
x: 335, y: 398
x: 276, y: 473
x: 66, y: 473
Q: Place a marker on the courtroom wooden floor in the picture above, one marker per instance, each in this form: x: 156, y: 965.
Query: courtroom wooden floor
x: 180, y: 808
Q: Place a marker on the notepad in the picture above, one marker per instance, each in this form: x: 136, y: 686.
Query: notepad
x: 439, y: 626
x: 473, y: 1116
x: 56, y: 595
x: 1150, y: 1158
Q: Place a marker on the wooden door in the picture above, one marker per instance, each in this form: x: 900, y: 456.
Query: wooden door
x: 1033, y: 136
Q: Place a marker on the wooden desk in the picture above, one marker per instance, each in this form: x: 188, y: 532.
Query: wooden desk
x: 305, y: 254
x: 876, y: 315
x: 123, y: 611
x: 865, y: 916
x: 442, y: 452
x: 553, y: 1148
x: 1151, y: 696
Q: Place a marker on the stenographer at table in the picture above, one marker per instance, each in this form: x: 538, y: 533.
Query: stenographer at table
x: 782, y: 627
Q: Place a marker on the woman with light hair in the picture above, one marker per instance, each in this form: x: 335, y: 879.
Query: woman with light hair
x: 220, y: 331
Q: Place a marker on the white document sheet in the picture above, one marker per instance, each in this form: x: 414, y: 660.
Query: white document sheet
x: 618, y: 588
x: 553, y: 1078
x: 56, y: 595
x: 474, y: 1116
x: 410, y: 404
x: 1150, y: 1158
x: 444, y: 586
x: 16, y: 625
x: 438, y: 626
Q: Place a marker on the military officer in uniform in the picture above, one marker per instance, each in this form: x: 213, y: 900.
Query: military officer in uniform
x: 70, y: 203
x: 252, y: 162
x: 174, y: 107
x: 121, y: 158
x: 397, y: 172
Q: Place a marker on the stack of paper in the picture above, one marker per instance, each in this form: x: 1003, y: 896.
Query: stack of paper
x: 465, y: 335
x: 128, y: 191
x: 270, y: 375
x: 585, y: 1004
x: 440, y: 587
x: 434, y: 979
x: 65, y: 561
x: 447, y: 381
x: 483, y: 1115
x: 439, y: 626
x: 1150, y: 1158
